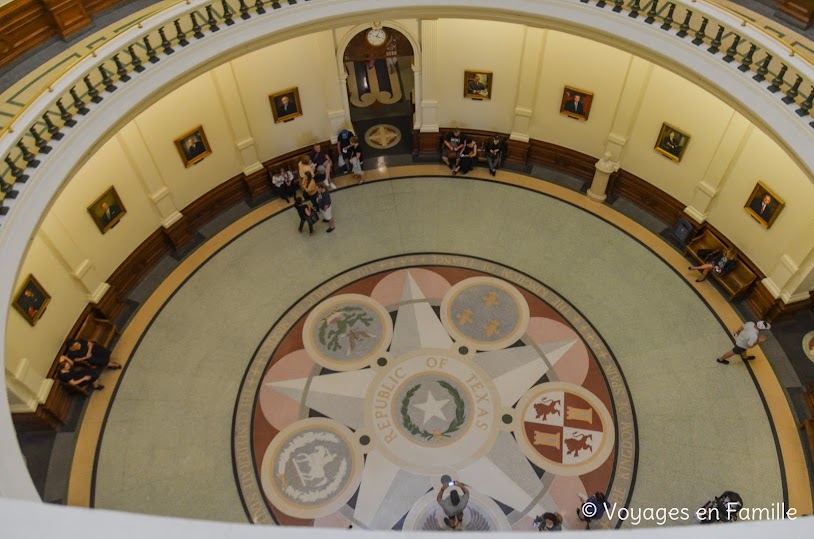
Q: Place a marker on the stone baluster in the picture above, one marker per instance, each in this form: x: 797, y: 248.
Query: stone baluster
x: 652, y: 12
x: 732, y: 50
x: 763, y: 68
x: 121, y: 70
x: 180, y: 34
x: 805, y: 106
x: 700, y: 36
x: 777, y: 81
x: 78, y: 104
x: 67, y: 117
x: 791, y: 94
x: 16, y: 171
x: 152, y: 57
x: 165, y: 43
x: 682, y: 30
x: 106, y: 80
x: 92, y: 91
x: 196, y: 28
x: 244, y: 10
x: 227, y: 13
x: 39, y: 142
x: 746, y: 63
x: 136, y: 61
x: 210, y: 17
x: 716, y: 42
x: 53, y: 130
x: 29, y: 157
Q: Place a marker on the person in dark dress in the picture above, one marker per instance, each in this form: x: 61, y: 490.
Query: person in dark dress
x: 304, y: 211
x: 466, y: 160
x: 69, y: 373
x: 91, y: 354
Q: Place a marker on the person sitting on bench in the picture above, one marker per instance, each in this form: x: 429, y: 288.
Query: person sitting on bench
x: 68, y: 373
x: 94, y: 355
x: 721, y: 262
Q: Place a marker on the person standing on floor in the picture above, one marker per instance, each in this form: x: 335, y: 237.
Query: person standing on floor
x: 325, y: 206
x: 342, y: 143
x: 304, y: 211
x: 454, y: 504
x: 592, y: 508
x: 745, y: 338
x: 308, y: 185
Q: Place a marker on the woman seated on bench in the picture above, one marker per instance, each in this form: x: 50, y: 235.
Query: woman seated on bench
x: 69, y: 373
x: 721, y: 262
x: 94, y: 355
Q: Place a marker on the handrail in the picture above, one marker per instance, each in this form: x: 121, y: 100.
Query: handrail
x: 42, y: 123
x: 9, y: 127
x: 794, y: 50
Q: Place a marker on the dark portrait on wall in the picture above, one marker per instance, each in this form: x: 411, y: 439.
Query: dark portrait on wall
x: 193, y: 146
x: 107, y: 210
x: 576, y: 103
x: 478, y: 84
x: 671, y: 142
x: 764, y: 205
x: 31, y: 300
x: 286, y: 105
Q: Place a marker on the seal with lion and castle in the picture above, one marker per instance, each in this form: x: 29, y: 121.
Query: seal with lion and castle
x: 405, y: 371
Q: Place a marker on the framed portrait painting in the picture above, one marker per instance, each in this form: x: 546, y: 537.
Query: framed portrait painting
x: 576, y: 103
x: 671, y: 142
x: 31, y: 300
x: 193, y: 146
x: 764, y: 205
x: 107, y: 210
x: 478, y: 84
x: 286, y: 105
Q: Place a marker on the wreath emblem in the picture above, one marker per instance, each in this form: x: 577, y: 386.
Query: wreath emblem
x: 455, y: 425
x: 342, y: 322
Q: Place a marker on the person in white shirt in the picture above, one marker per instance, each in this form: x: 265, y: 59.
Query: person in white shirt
x: 745, y: 338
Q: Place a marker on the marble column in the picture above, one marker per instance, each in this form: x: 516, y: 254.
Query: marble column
x: 59, y: 241
x: 637, y: 79
x: 26, y: 389
x: 429, y: 79
x: 149, y: 175
x: 333, y: 98
x: 231, y: 102
x: 417, y: 93
x: 534, y: 41
x: 728, y: 151
x: 794, y: 266
x: 599, y: 186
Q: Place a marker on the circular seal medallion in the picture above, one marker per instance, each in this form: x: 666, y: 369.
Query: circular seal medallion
x: 311, y: 468
x: 347, y: 332
x: 565, y: 428
x: 486, y: 312
x: 432, y: 411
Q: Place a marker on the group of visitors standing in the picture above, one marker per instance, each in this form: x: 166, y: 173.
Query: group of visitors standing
x: 315, y: 178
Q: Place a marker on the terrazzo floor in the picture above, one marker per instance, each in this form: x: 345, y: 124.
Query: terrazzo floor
x: 230, y: 386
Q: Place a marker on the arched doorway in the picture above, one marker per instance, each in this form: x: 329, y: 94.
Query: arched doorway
x: 381, y: 85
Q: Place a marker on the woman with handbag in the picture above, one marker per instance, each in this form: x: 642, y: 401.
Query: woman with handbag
x: 308, y: 183
x: 306, y: 214
x: 468, y: 155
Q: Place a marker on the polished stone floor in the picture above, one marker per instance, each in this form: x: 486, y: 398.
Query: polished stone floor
x: 168, y: 443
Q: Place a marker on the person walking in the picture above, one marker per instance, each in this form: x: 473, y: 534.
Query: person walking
x: 325, y: 205
x: 548, y: 522
x: 745, y: 338
x: 454, y: 504
x: 592, y: 508
x: 305, y: 212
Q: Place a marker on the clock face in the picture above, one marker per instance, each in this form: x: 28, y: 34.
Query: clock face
x: 376, y: 36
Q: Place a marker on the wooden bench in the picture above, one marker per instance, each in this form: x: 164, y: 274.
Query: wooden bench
x: 480, y: 138
x: 737, y: 281
x: 808, y: 424
x: 96, y: 330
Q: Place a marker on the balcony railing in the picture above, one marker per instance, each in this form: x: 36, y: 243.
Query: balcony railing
x: 764, y: 61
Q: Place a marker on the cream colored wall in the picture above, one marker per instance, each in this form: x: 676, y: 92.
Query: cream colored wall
x: 495, y: 47
x: 194, y: 104
x: 108, y: 167
x: 573, y: 61
x: 271, y: 70
x: 762, y: 160
x: 478, y: 45
x: 693, y: 111
x: 39, y: 344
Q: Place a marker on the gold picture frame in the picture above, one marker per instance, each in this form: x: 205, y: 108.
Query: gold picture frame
x: 193, y: 146
x: 31, y: 300
x: 285, y: 105
x: 107, y: 210
x: 672, y: 142
x: 478, y: 84
x: 576, y: 103
x: 764, y: 205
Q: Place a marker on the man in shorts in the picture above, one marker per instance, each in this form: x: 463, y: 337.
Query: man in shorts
x: 454, y: 504
x: 453, y: 144
x: 746, y: 337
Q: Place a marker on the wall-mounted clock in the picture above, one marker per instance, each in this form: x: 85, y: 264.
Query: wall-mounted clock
x: 376, y: 36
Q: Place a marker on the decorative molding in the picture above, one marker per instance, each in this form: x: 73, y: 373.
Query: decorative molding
x: 160, y: 195
x: 178, y: 234
x: 695, y: 214
x: 171, y: 219
x: 99, y: 293
x: 82, y: 268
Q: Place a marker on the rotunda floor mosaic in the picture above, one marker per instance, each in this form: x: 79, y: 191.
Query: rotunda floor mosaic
x: 407, y: 370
